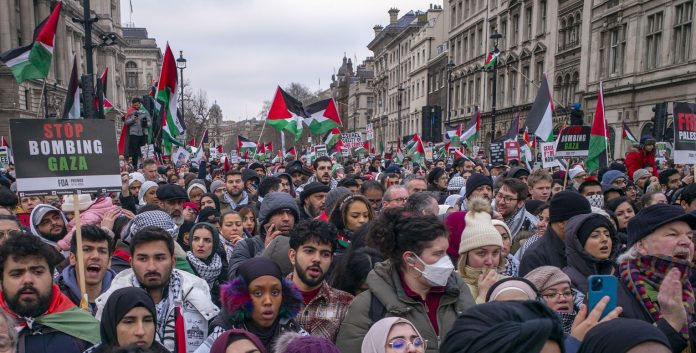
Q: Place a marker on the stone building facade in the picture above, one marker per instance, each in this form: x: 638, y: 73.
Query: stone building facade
x: 143, y: 63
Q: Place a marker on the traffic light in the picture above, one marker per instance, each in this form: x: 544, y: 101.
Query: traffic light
x: 659, y: 121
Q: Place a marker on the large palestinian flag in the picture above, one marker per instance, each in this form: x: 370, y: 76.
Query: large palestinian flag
x: 540, y: 117
x: 472, y: 131
x: 286, y: 113
x: 244, y: 144
x: 323, y: 116
x: 34, y: 60
x: 167, y: 91
x: 71, y: 110
x: 599, y: 136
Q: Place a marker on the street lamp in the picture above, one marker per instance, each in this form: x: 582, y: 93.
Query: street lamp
x: 495, y: 36
x: 181, y: 65
x: 450, y: 68
x: 398, y: 112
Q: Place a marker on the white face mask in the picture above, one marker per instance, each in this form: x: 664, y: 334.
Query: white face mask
x: 437, y: 273
x: 596, y: 200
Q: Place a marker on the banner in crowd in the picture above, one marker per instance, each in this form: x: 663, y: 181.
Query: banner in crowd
x: 684, y: 133
x: 352, y: 139
x: 497, y: 150
x: 663, y: 151
x: 4, y: 157
x: 574, y: 142
x: 180, y: 157
x: 62, y: 157
x: 548, y: 155
x: 512, y: 151
x: 370, y: 132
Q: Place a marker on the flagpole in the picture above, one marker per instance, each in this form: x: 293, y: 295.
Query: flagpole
x: 262, y: 128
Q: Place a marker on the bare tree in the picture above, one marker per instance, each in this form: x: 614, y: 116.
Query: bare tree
x: 301, y: 92
x: 197, y: 113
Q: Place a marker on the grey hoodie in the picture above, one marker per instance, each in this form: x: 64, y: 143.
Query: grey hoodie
x: 35, y: 218
x: 580, y: 263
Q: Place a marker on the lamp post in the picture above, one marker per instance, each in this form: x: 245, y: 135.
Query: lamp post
x: 181, y: 65
x: 450, y: 68
x: 495, y: 37
x: 432, y: 122
x: 398, y: 112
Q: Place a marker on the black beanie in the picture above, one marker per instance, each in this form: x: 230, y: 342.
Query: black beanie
x: 567, y: 204
x: 257, y: 267
x: 313, y: 188
x: 435, y: 174
x: 476, y: 180
x: 591, y: 223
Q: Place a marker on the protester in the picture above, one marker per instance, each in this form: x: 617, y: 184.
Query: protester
x: 437, y: 183
x: 234, y: 196
x: 688, y: 198
x: 249, y: 216
x: 512, y: 288
x: 520, y: 246
x: 8, y: 225
x: 622, y: 208
x: 190, y: 211
x: 624, y: 336
x: 207, y: 257
x: 393, y: 334
x: 591, y: 246
x: 48, y: 224
x: 349, y: 214
x: 374, y: 192
x: 152, y: 251
x: 231, y: 231
x: 554, y: 287
x: 417, y: 282
x: 513, y: 265
x: 415, y: 184
x: 45, y: 319
x: 138, y: 121
x: 395, y: 196
x: 258, y: 300
x: 237, y: 341
x: 539, y: 183
x: 312, y: 200
x: 652, y: 198
x: 422, y: 203
x: 509, y: 202
x: 670, y: 182
x: 129, y: 318
x: 644, y: 156
x: 322, y: 174
x: 592, y: 190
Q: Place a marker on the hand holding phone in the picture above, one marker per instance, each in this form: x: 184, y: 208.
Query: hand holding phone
x: 601, y: 286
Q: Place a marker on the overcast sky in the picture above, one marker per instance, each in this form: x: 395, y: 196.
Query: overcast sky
x: 240, y: 50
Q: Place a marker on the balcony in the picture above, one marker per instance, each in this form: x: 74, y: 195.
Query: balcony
x: 568, y: 46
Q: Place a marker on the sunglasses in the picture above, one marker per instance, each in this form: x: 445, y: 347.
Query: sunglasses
x: 400, y: 344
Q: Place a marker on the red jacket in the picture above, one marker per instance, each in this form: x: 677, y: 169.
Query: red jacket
x: 637, y: 159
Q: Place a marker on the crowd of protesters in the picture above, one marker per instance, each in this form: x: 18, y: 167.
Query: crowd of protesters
x: 448, y: 256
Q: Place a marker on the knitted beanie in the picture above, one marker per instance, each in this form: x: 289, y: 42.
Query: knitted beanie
x: 216, y: 184
x: 479, y: 230
x: 567, y: 204
x: 640, y: 173
x: 476, y: 180
x: 544, y: 277
x: 311, y: 344
x: 497, y: 222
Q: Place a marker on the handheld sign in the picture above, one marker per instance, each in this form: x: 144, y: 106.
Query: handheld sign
x: 352, y: 139
x: 497, y: 150
x: 684, y: 133
x: 574, y: 142
x: 548, y: 158
x: 64, y: 157
x: 512, y: 151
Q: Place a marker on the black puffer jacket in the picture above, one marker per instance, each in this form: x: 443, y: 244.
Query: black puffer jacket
x: 580, y: 263
x: 547, y: 251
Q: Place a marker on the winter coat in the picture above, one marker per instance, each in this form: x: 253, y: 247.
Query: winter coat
x: 386, y: 288
x: 67, y: 282
x: 92, y: 215
x: 134, y: 123
x: 547, y: 251
x: 637, y: 159
x: 633, y: 309
x: 245, y: 249
x: 580, y: 263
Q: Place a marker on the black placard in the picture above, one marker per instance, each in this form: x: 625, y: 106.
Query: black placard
x: 684, y: 133
x: 574, y: 142
x: 497, y: 151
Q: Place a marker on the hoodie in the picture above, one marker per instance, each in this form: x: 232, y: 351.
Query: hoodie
x: 638, y: 159
x: 35, y: 218
x: 67, y: 282
x: 580, y: 263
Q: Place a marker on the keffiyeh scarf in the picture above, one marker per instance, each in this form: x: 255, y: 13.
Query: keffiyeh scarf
x: 174, y: 296
x: 235, y: 205
x: 646, y: 273
x: 515, y: 222
x: 209, y: 272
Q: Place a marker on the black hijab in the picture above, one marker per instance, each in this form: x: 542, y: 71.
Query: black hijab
x: 117, y: 306
x: 184, y: 228
x: 511, y: 327
x: 603, y: 337
x: 215, y: 199
x: 216, y: 239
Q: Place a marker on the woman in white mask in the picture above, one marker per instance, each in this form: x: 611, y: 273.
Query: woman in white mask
x: 417, y: 282
x: 481, y: 257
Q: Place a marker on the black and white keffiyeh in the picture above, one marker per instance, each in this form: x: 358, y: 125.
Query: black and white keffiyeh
x: 174, y: 296
x: 209, y: 272
x: 159, y: 219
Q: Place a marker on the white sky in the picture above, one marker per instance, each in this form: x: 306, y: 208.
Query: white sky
x: 240, y: 50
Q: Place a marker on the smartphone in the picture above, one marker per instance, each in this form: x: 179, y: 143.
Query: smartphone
x: 599, y: 287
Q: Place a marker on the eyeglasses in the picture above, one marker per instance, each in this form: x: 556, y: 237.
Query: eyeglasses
x: 505, y: 198
x: 551, y: 295
x: 398, y: 199
x: 400, y: 344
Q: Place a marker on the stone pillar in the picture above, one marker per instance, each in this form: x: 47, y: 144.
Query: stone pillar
x: 6, y: 25
x: 61, y: 55
x: 26, y: 23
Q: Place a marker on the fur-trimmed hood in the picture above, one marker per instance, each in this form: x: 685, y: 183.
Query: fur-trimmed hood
x: 237, y: 306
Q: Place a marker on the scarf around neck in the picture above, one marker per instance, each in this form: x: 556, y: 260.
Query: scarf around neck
x: 647, y: 273
x: 235, y: 205
x: 174, y: 297
x: 208, y: 271
x: 515, y: 222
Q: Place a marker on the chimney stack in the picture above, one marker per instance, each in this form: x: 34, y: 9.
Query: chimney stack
x: 393, y: 15
x: 377, y: 29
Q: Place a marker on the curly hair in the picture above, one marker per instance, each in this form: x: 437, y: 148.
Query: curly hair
x: 237, y: 305
x: 396, y: 231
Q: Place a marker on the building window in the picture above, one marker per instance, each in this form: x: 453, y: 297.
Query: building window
x: 528, y: 23
x: 515, y: 29
x: 513, y: 87
x: 525, y: 86
x: 617, y: 44
x: 539, y: 71
x: 682, y: 30
x: 501, y: 93
x: 370, y: 102
x: 453, y: 16
x: 482, y: 43
x: 653, y: 45
x: 542, y: 17
x: 503, y: 31
x: 131, y: 74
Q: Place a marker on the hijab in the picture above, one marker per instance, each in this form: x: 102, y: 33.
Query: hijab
x: 216, y: 239
x: 375, y: 340
x: 215, y: 199
x: 230, y: 336
x: 120, y: 302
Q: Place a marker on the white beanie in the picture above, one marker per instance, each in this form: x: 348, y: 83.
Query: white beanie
x: 479, y: 230
x: 136, y: 176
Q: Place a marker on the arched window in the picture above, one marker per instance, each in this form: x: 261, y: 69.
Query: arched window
x: 566, y: 85
x: 131, y: 74
x: 562, y: 43
x: 571, y: 32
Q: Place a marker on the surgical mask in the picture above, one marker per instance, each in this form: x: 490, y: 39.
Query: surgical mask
x: 596, y: 200
x: 437, y: 273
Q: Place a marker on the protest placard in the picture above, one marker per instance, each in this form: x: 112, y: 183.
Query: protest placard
x: 369, y: 132
x: 548, y: 152
x: 497, y: 150
x: 352, y: 139
x: 320, y: 150
x: 62, y: 157
x: 574, y: 142
x: 180, y: 157
x: 512, y: 151
x: 684, y: 133
x: 4, y: 157
x: 147, y: 151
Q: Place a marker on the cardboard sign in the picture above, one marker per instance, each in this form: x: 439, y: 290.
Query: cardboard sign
x: 663, y: 151
x: 352, y: 139
x: 4, y: 157
x: 63, y: 157
x: 345, y: 151
x: 147, y: 151
x: 180, y: 157
x: 548, y: 155
x: 370, y: 132
x: 684, y: 133
x: 512, y: 151
x: 320, y: 150
x: 497, y: 150
x: 574, y: 142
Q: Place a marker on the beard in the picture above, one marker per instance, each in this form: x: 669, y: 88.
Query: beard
x: 235, y: 192
x: 178, y: 219
x: 310, y: 282
x: 312, y: 211
x: 34, y: 308
x: 55, y: 237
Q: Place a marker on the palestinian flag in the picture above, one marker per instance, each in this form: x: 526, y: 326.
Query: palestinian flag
x: 71, y: 110
x: 472, y: 131
x: 452, y: 135
x: 3, y: 142
x: 34, y: 60
x: 192, y: 143
x: 628, y: 135
x: 167, y: 91
x: 278, y: 157
x: 528, y: 139
x: 291, y: 153
x: 107, y: 105
x: 244, y: 144
x: 513, y: 131
x: 269, y: 147
x: 598, y: 157
x: 260, y: 153
x: 491, y: 59
x: 540, y: 117
x: 332, y: 137
x: 200, y: 151
x: 365, y: 148
x: 558, y: 138
x: 323, y: 116
x: 415, y: 148
x: 286, y: 113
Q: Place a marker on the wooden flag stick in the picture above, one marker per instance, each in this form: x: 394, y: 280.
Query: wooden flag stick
x: 79, y: 256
